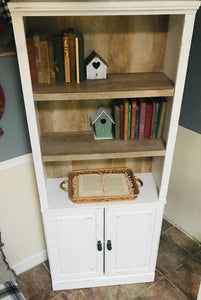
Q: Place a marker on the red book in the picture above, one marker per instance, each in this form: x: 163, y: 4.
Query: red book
x: 121, y: 121
x: 142, y: 119
x: 32, y: 59
x: 133, y: 117
x: 152, y: 119
x: 148, y: 119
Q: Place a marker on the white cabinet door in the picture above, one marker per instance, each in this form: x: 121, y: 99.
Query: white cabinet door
x: 72, y: 239
x: 128, y: 239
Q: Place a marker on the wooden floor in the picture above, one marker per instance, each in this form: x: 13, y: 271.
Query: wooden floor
x: 178, y: 276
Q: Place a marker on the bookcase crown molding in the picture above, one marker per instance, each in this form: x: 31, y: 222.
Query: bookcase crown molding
x: 79, y: 8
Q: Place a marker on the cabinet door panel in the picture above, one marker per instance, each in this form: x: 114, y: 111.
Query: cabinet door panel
x: 130, y: 230
x: 73, y: 241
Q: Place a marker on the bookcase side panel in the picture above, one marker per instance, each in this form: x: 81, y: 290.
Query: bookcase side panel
x: 20, y: 41
x: 177, y: 99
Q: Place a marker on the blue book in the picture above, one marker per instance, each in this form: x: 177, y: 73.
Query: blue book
x: 137, y: 119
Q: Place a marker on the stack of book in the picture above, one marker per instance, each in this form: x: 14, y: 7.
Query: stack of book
x: 139, y: 119
x: 56, y: 59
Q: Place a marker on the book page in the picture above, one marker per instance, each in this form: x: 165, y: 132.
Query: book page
x: 90, y: 185
x: 115, y: 185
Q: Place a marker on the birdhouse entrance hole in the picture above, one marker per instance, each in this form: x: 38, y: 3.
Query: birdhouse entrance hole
x: 103, y: 121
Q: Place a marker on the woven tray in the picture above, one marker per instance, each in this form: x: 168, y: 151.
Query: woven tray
x: 102, y: 185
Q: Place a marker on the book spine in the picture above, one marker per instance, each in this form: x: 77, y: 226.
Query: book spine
x: 142, y: 119
x: 147, y: 126
x: 38, y: 57
x: 137, y: 120
x: 59, y: 59
x: 51, y: 60
x: 71, y: 36
x: 152, y: 119
x: 121, y: 121
x: 162, y: 119
x: 117, y: 121
x: 129, y: 122
x: 45, y: 61
x: 77, y: 60
x: 81, y: 58
x: 133, y: 118
x: 156, y: 120
x: 126, y: 108
x: 32, y: 60
x: 66, y: 57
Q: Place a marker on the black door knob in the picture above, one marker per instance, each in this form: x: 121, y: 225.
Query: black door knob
x: 99, y: 246
x: 109, y: 245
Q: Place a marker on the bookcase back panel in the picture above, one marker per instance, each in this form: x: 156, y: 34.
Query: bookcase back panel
x: 62, y: 116
x: 126, y: 43
x: 61, y: 169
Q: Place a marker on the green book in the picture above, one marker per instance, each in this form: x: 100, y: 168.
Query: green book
x: 129, y: 122
x: 59, y: 58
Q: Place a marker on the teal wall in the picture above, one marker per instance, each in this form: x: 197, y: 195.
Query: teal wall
x: 190, y: 116
x: 15, y: 141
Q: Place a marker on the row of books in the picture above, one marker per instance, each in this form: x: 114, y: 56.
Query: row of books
x: 139, y: 119
x: 57, y: 58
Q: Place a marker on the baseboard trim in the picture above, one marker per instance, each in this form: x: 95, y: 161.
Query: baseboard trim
x: 30, y: 262
x: 16, y: 162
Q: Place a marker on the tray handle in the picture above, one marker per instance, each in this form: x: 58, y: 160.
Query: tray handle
x: 62, y: 183
x: 139, y: 180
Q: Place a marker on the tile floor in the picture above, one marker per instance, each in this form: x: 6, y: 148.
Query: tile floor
x: 178, y: 276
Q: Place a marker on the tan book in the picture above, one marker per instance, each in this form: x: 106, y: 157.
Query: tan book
x: 162, y: 119
x: 66, y: 57
x: 51, y: 61
x: 36, y: 38
x: 45, y: 61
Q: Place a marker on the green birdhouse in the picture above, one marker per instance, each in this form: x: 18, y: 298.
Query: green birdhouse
x: 102, y: 122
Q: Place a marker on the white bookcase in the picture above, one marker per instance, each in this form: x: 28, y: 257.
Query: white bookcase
x: 146, y: 45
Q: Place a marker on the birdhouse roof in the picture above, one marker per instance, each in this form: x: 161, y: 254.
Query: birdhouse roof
x: 98, y: 113
x: 91, y: 56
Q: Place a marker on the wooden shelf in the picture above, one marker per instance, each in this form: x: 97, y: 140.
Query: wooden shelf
x: 70, y: 146
x: 116, y: 86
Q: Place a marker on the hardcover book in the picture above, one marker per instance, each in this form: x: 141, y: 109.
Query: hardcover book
x: 80, y: 65
x: 38, y: 57
x: 129, y: 122
x: 152, y: 119
x: 45, y: 63
x: 117, y: 120
x: 133, y: 117
x: 51, y: 61
x: 66, y: 45
x: 142, y: 119
x: 121, y: 120
x: 162, y: 118
x: 32, y: 60
x: 137, y: 120
x: 155, y: 130
x: 147, y: 126
x: 59, y: 58
x: 126, y: 109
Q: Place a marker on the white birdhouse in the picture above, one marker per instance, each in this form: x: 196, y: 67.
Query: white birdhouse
x: 96, y: 67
